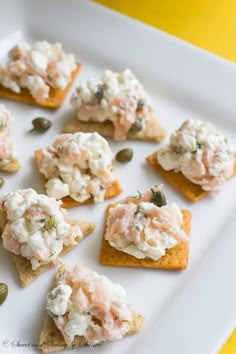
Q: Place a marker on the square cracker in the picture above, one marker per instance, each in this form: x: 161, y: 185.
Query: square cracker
x: 153, y: 130
x: 190, y: 190
x: 55, y: 99
x: 176, y: 258
x: 28, y: 275
x: 67, y: 202
x: 51, y: 340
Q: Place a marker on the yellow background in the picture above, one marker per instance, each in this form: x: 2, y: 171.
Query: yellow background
x: 209, y: 24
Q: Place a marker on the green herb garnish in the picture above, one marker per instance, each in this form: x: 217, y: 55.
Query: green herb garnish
x: 140, y: 104
x: 138, y: 210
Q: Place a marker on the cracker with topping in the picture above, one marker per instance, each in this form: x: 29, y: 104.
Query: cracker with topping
x: 55, y: 99
x: 197, y: 161
x: 116, y: 107
x: 150, y: 248
x: 37, y: 232
x: 52, y: 340
x: 41, y: 74
x: 78, y: 176
x: 28, y: 275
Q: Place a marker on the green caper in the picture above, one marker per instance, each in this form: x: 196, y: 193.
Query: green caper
x: 40, y: 125
x: 125, y: 155
x: 140, y: 104
x: 100, y: 92
x: 50, y: 223
x: 137, y: 126
x: 3, y: 292
x: 158, y: 198
x: 1, y: 182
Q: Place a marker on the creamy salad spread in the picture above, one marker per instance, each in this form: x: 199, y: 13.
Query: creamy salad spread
x: 37, y: 68
x: 201, y: 153
x: 77, y: 165
x: 35, y: 227
x: 117, y: 97
x: 142, y: 229
x: 87, y: 304
x: 6, y: 121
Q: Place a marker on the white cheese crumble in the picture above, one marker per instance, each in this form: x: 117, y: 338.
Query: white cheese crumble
x: 117, y: 97
x: 58, y: 300
x: 201, y: 153
x: 77, y: 165
x: 36, y: 226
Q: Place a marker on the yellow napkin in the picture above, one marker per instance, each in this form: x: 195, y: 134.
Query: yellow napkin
x: 209, y: 24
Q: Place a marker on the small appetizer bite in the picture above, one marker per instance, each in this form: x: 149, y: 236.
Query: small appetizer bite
x: 85, y: 308
x: 77, y: 168
x: 143, y: 231
x: 37, y: 231
x: 198, y: 159
x: 117, y: 106
x: 40, y: 74
x: 8, y: 162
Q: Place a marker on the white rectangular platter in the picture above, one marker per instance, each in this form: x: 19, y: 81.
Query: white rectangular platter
x: 187, y: 312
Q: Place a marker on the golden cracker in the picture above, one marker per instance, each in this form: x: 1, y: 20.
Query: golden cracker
x: 190, y: 190
x: 51, y: 340
x: 153, y: 130
x: 67, y: 202
x: 55, y: 99
x: 28, y: 275
x: 176, y: 258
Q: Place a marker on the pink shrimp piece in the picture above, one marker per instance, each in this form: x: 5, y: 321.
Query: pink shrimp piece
x: 68, y: 158
x: 10, y: 243
x: 35, y: 213
x: 16, y: 68
x: 43, y: 257
x: 20, y: 51
x: 125, y: 116
x: 101, y: 295
x: 61, y: 139
x: 9, y: 80
x: 5, y: 147
x: 41, y: 94
x: 80, y: 273
x: 57, y: 76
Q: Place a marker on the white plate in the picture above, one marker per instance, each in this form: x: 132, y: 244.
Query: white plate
x: 186, y: 312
